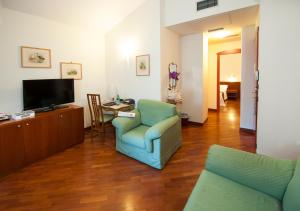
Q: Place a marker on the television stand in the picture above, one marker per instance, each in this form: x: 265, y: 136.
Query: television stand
x: 50, y: 108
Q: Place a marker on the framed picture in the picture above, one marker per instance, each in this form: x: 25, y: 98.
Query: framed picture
x: 35, y: 57
x: 143, y: 65
x: 70, y: 70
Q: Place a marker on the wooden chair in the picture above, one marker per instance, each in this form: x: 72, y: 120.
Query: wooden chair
x: 98, y: 118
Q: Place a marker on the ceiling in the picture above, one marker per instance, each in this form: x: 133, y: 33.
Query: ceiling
x: 232, y: 21
x: 102, y: 14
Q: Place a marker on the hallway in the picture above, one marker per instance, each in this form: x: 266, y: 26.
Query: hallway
x: 93, y: 176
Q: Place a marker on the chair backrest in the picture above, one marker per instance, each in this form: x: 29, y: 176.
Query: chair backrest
x: 291, y: 197
x: 153, y: 111
x: 95, y: 108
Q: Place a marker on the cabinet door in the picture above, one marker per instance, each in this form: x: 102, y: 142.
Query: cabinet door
x: 11, y: 148
x: 34, y: 144
x: 65, y: 129
x: 77, y: 126
x: 48, y: 127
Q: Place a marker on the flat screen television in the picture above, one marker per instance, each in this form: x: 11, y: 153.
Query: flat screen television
x: 43, y: 95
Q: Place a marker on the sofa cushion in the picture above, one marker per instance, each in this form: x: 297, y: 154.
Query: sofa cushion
x: 135, y: 137
x: 259, y: 172
x: 215, y: 193
x: 291, y: 198
x: 153, y: 111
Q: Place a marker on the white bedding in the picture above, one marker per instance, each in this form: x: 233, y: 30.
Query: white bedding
x: 223, y: 94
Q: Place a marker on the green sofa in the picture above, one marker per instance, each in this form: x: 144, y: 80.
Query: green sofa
x: 234, y: 180
x: 153, y: 136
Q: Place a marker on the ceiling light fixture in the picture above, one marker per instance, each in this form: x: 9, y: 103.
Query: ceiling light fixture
x: 218, y: 33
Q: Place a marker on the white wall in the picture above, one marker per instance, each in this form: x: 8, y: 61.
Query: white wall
x: 213, y: 49
x: 139, y: 33
x: 205, y: 78
x: 1, y: 12
x: 230, y: 67
x: 180, y: 11
x: 193, y: 75
x: 170, y: 52
x: 279, y: 102
x: 247, y: 107
x: 67, y: 44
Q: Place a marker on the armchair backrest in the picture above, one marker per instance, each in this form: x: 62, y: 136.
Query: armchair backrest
x: 291, y: 197
x: 262, y: 173
x: 153, y: 111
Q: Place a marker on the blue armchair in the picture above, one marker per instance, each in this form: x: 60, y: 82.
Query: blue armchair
x: 153, y: 136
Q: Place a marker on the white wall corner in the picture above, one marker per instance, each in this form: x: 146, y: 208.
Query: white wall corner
x: 248, y: 83
x: 278, y: 106
x: 205, y: 78
x: 193, y: 77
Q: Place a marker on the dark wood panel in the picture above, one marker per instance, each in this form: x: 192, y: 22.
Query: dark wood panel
x: 77, y: 127
x: 34, y: 145
x: 48, y: 128
x: 11, y: 148
x: 65, y: 129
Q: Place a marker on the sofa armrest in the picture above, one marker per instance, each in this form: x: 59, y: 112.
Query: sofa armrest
x: 124, y: 124
x: 157, y: 130
x: 262, y: 173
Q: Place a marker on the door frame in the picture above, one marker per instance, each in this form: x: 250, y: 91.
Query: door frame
x: 227, y: 52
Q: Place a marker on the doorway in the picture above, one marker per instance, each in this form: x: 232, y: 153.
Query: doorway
x: 228, y: 77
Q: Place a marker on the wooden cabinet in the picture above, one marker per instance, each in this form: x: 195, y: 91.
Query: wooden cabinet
x: 11, y: 148
x: 65, y: 129
x: 33, y: 144
x: 27, y: 141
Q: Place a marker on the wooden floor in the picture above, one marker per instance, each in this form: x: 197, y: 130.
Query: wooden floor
x: 93, y: 176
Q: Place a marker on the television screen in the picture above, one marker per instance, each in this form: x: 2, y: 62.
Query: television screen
x: 47, y: 93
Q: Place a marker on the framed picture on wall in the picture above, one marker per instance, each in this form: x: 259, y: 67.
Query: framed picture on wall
x: 35, y: 57
x: 143, y: 65
x: 70, y: 70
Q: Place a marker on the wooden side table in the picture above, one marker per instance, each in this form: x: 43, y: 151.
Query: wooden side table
x: 116, y: 108
x: 232, y: 93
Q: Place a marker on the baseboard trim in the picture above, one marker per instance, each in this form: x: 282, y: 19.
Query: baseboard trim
x: 197, y: 123
x: 246, y: 130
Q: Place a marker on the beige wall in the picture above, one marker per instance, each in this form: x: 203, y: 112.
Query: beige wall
x: 67, y: 44
x: 213, y: 49
x: 139, y: 33
x: 230, y: 68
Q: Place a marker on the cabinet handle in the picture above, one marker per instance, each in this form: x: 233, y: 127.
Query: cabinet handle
x: 18, y: 126
x: 27, y: 124
x: 61, y: 116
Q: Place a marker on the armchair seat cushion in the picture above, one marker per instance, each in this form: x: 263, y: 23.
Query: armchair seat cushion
x: 135, y: 137
x: 217, y: 193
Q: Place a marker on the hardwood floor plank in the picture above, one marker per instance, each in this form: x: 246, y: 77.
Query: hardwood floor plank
x: 93, y: 176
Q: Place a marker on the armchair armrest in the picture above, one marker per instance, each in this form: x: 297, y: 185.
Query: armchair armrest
x: 124, y: 124
x: 157, y: 130
x: 262, y: 173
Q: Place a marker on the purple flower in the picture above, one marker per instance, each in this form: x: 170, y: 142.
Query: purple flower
x: 174, y: 75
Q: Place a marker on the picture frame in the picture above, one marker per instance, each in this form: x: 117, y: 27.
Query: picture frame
x: 32, y: 57
x: 70, y: 70
x: 143, y: 65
